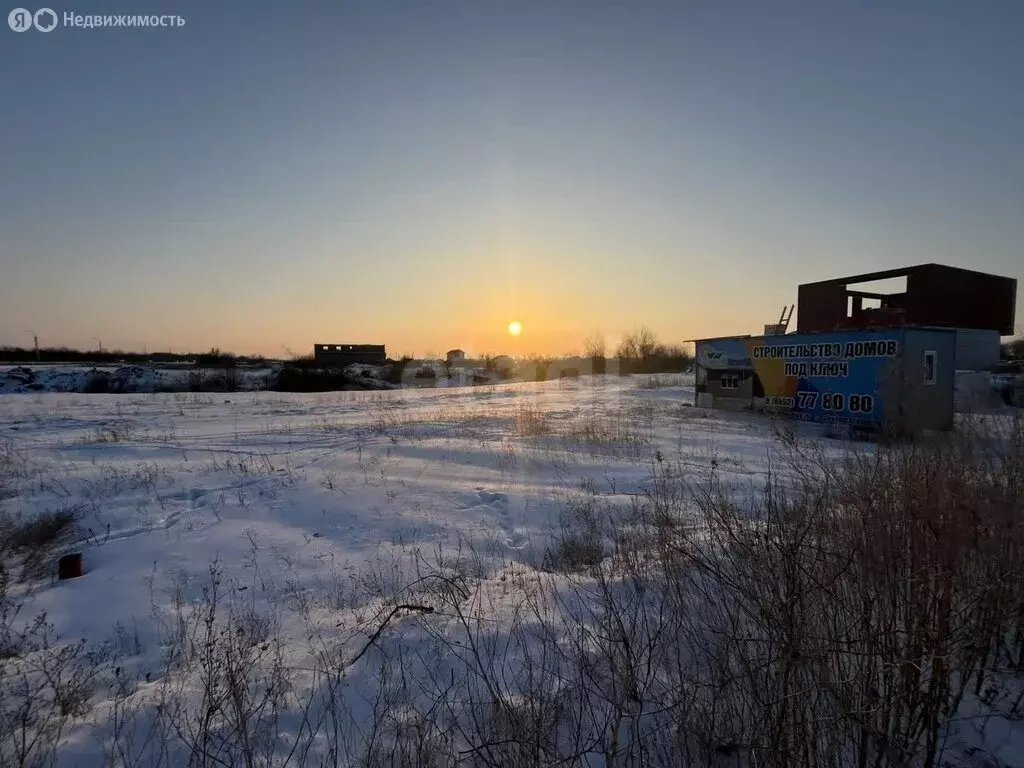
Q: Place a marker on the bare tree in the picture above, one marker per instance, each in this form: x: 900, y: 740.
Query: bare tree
x: 627, y: 349
x: 646, y: 341
x: 594, y: 345
x: 640, y: 344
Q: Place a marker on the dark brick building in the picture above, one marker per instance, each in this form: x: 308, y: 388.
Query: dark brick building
x: 980, y: 307
x: 338, y: 355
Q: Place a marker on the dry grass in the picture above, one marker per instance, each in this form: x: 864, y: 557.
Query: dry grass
x: 661, y: 381
x: 28, y: 546
x: 12, y: 469
x: 532, y: 421
x: 581, y: 542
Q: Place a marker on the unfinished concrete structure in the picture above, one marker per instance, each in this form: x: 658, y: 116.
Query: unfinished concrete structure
x: 980, y: 307
x: 338, y: 355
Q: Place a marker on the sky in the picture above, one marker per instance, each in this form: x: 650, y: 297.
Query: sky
x: 419, y: 174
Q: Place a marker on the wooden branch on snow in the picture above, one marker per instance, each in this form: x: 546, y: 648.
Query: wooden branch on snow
x: 384, y: 624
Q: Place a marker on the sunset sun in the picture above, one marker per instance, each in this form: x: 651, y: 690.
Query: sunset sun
x: 515, y: 328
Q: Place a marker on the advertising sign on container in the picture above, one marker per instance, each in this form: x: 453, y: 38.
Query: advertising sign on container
x: 828, y: 377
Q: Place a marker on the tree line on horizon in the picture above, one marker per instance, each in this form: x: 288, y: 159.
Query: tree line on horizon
x: 640, y: 351
x: 214, y: 357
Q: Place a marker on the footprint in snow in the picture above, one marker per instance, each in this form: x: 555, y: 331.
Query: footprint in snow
x: 498, y: 502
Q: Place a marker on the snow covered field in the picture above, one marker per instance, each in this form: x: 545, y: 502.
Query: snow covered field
x: 310, y: 518
x: 170, y: 482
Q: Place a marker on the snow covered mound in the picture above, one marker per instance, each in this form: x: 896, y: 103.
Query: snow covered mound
x: 64, y: 379
x: 126, y: 379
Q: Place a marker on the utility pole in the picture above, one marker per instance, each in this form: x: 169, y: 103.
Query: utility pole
x: 35, y: 341
x: 100, y: 343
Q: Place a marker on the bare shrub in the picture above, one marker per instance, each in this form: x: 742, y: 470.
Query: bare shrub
x: 226, y: 653
x: 44, y: 685
x: 833, y: 616
x: 871, y: 597
x: 42, y: 531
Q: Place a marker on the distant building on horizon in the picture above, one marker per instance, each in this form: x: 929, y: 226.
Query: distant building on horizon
x: 455, y: 356
x: 348, y: 354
